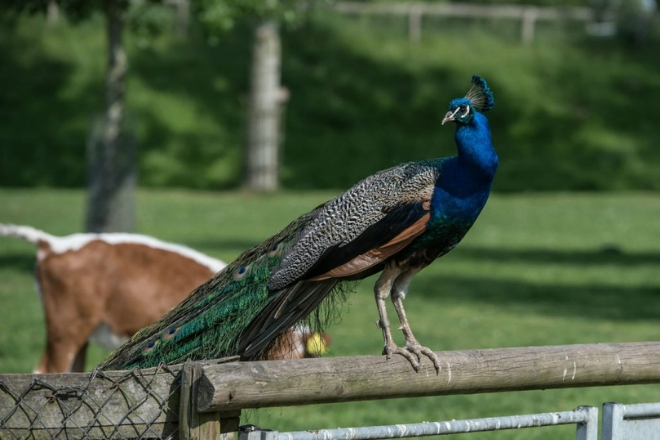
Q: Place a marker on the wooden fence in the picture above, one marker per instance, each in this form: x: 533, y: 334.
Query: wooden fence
x: 200, y: 400
x: 528, y: 15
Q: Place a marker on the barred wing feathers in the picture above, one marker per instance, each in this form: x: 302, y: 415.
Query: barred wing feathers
x: 270, y: 287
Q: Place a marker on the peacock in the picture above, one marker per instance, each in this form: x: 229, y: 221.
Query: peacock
x: 395, y: 222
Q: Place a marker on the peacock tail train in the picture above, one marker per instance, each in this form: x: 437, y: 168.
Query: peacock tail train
x: 211, y: 321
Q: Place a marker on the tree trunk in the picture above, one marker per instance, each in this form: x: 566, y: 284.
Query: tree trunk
x: 182, y: 17
x: 264, y: 110
x: 112, y: 157
x: 53, y: 12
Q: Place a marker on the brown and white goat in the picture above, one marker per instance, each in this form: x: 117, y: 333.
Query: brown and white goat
x: 106, y: 287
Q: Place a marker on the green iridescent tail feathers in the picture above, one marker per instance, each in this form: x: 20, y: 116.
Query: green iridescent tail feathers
x: 215, y: 319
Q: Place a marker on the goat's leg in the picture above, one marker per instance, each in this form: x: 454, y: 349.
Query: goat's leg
x: 79, y: 361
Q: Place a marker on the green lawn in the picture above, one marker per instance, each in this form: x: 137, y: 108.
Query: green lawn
x: 535, y: 270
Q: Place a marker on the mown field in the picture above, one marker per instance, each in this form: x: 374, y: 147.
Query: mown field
x: 537, y: 269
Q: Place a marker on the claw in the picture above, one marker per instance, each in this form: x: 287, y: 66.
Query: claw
x: 405, y: 352
x: 410, y: 351
x: 420, y: 350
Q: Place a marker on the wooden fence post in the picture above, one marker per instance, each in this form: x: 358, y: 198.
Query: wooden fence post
x: 415, y: 23
x: 194, y: 425
x: 528, y: 24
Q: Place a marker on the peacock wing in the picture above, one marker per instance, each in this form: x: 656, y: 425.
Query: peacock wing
x: 346, y: 238
x: 369, y: 215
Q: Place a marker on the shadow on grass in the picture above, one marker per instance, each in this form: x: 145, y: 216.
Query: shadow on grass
x: 590, y: 300
x: 20, y: 262
x: 607, y: 255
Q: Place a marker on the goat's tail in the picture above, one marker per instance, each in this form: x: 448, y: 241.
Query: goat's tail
x: 27, y: 233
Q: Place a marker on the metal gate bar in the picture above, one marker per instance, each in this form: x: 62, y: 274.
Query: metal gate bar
x: 585, y: 417
x: 631, y: 422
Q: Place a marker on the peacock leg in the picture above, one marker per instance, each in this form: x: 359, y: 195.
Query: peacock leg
x: 412, y: 345
x: 382, y: 290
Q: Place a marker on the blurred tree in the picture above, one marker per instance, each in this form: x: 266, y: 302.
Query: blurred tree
x: 111, y: 202
x: 53, y: 12
x: 264, y: 110
x: 112, y: 146
x: 111, y: 198
x: 555, y: 3
x: 267, y: 96
x: 111, y: 158
x: 182, y: 8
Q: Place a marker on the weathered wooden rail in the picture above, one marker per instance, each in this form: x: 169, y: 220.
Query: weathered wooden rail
x: 286, y: 383
x: 199, y: 400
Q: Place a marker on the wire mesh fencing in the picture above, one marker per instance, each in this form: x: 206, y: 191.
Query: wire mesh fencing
x: 97, y: 405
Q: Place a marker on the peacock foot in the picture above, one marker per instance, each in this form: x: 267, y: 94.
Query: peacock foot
x: 420, y: 351
x: 413, y: 352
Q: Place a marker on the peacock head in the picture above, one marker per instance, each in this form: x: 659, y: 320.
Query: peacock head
x: 478, y: 99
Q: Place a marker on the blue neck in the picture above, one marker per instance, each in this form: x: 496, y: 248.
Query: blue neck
x: 476, y: 154
x: 462, y: 189
x: 465, y: 180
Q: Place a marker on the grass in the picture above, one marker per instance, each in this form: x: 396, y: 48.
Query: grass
x: 537, y: 269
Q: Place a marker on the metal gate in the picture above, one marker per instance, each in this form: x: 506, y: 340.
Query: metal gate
x: 620, y: 422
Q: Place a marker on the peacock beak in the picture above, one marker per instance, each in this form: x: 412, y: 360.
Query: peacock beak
x: 450, y: 116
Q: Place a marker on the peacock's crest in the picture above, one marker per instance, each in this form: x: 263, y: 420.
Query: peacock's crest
x: 480, y: 95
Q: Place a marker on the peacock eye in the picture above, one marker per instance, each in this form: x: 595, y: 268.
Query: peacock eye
x: 276, y: 250
x: 464, y: 109
x: 150, y: 347
x: 241, y: 272
x: 170, y: 333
